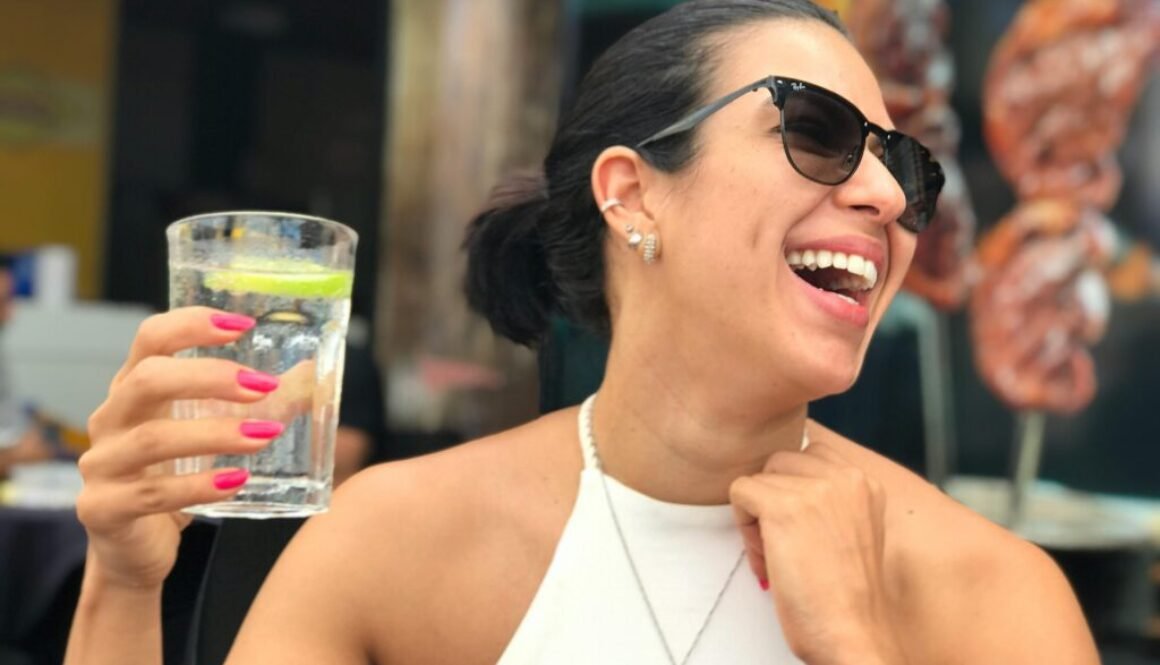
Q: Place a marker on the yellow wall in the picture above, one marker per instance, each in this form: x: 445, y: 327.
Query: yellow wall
x: 56, y: 85
x: 840, y: 6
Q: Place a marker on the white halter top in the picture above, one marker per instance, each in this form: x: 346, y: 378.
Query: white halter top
x: 589, y: 608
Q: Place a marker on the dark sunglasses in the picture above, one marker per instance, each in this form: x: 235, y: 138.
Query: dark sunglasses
x: 825, y: 136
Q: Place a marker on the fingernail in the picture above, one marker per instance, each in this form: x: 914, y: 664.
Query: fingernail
x: 258, y: 381
x: 261, y: 429
x: 764, y: 584
x: 227, y: 480
x: 232, y: 322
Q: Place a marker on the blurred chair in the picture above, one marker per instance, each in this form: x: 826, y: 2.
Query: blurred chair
x: 242, y: 555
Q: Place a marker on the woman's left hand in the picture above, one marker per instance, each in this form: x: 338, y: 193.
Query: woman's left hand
x: 814, y: 532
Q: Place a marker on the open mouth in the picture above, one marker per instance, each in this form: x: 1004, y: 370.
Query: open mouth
x: 848, y: 276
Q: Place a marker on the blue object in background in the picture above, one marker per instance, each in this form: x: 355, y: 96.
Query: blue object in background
x: 23, y: 273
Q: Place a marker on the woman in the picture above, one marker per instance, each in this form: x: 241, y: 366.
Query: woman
x: 703, y: 529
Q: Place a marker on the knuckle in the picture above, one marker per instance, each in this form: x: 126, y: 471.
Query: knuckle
x: 95, y: 425
x: 735, y: 492
x: 815, y: 496
x: 793, y: 503
x: 788, y: 511
x: 146, y: 438
x: 151, y: 495
x: 149, y: 327
x: 740, y: 488
x: 88, y: 513
x: 144, y: 377
x: 83, y: 508
x: 86, y: 463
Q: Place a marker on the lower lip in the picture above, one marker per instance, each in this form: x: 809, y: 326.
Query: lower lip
x: 841, y: 309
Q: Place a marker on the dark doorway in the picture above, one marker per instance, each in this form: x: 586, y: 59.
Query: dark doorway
x: 244, y: 104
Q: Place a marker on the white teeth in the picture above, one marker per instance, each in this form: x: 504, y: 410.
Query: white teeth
x: 855, y: 264
x: 863, y: 271
x: 809, y: 259
x: 847, y: 298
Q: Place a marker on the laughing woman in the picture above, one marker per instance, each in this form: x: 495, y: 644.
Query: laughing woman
x: 728, y: 202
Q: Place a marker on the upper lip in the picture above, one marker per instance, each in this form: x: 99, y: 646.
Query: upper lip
x: 867, y: 248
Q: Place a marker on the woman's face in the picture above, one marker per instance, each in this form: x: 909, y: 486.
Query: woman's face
x: 735, y: 218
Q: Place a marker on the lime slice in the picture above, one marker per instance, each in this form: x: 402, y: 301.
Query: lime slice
x: 297, y: 280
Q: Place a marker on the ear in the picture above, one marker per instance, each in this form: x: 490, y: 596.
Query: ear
x: 620, y: 173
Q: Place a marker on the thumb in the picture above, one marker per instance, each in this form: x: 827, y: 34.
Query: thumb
x: 750, y: 529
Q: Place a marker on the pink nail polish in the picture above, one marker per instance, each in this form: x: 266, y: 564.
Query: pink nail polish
x: 261, y: 429
x: 228, y: 480
x: 232, y: 322
x: 764, y: 585
x: 258, y: 381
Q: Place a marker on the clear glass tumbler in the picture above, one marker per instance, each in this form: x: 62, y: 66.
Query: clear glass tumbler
x: 292, y: 274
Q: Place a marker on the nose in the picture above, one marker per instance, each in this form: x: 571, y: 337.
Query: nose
x: 872, y: 191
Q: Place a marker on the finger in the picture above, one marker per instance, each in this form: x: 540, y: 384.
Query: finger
x: 157, y: 380
x: 755, y: 553
x: 296, y: 392
x: 851, y: 477
x: 183, y: 328
x: 750, y: 528
x: 798, y: 464
x: 107, y: 506
x: 839, y: 461
x: 828, y: 452
x: 752, y: 498
x: 156, y: 441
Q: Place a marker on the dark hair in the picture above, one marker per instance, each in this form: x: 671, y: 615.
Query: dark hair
x: 537, y: 248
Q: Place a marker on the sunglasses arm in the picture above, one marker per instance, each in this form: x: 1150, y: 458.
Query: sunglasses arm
x: 697, y: 117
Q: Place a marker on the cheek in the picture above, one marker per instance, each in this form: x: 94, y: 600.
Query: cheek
x: 734, y: 208
x: 903, y: 243
x: 902, y: 246
x: 754, y: 212
x: 719, y: 213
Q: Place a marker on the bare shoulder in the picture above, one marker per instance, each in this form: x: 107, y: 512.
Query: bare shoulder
x: 466, y: 495
x: 468, y: 482
x: 980, y: 593
x: 440, y: 553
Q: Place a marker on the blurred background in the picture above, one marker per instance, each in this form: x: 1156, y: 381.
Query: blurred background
x: 118, y: 117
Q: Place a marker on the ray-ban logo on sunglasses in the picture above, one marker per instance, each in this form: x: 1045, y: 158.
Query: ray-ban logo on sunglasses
x: 798, y: 86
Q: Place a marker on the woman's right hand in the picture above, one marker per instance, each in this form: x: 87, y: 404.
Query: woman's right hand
x: 130, y: 504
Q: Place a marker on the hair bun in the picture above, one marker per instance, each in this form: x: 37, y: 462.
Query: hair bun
x: 508, y: 281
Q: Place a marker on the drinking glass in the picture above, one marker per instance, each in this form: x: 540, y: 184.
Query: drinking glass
x: 293, y: 275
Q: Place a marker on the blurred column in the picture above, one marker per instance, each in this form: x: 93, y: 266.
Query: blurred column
x: 474, y: 91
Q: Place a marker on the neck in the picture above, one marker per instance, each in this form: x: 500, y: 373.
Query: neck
x: 685, y: 439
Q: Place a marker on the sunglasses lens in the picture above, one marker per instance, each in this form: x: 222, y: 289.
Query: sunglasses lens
x: 921, y: 179
x: 823, y: 137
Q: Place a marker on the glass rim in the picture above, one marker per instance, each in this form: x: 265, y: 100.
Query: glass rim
x: 268, y: 213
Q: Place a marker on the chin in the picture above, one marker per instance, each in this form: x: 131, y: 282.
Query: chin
x: 831, y: 370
